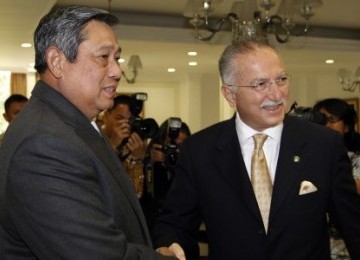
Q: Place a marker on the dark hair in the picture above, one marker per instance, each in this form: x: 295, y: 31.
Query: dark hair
x: 347, y: 114
x: 64, y: 28
x: 163, y: 131
x: 14, y: 98
x: 121, y: 99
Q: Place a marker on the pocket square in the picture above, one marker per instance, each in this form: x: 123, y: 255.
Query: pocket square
x: 307, y: 187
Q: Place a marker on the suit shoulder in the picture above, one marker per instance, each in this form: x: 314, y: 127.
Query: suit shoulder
x: 213, y: 132
x: 304, y: 128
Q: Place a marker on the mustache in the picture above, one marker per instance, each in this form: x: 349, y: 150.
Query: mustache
x: 272, y: 103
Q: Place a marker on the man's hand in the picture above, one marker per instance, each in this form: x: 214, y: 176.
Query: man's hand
x: 136, y: 146
x: 156, y: 153
x: 120, y: 131
x: 173, y: 250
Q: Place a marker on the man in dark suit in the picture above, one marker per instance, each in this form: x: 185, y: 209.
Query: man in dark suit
x: 64, y: 194
x: 309, y: 170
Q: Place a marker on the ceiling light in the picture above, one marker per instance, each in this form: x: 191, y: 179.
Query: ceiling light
x: 121, y: 60
x: 171, y: 69
x: 192, y: 53
x: 193, y: 63
x: 26, y: 45
x: 329, y: 61
x: 246, y: 21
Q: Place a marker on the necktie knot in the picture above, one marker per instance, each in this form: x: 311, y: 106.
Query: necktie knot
x: 259, y: 140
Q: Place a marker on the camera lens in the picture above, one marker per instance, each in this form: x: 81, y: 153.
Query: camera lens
x: 146, y: 128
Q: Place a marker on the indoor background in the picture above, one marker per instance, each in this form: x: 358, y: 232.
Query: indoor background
x: 161, y: 35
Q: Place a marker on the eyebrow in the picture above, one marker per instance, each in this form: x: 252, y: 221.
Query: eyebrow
x: 110, y: 47
x: 277, y: 76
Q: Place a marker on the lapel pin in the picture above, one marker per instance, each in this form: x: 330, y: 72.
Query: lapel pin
x: 296, y: 159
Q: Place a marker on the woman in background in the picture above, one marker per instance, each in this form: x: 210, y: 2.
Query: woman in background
x: 341, y: 117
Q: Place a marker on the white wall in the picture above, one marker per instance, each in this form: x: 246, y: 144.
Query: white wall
x: 162, y: 101
x: 197, y: 100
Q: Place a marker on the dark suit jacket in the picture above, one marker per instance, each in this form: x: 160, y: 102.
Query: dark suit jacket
x: 211, y: 181
x: 64, y: 194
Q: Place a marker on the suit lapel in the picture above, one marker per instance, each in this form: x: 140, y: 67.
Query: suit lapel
x: 290, y: 161
x: 102, y: 148
x: 231, y: 165
x: 83, y: 128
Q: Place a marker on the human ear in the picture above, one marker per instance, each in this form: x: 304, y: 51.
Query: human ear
x: 6, y: 117
x: 229, y: 95
x: 54, y: 60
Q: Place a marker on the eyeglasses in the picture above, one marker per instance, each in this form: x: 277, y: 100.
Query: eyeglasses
x: 263, y: 84
x: 331, y: 118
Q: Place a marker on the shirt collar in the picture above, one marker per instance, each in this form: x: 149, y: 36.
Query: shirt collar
x: 245, y: 132
x: 93, y: 123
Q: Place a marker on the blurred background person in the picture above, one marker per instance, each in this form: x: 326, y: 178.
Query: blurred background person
x: 128, y: 145
x: 162, y: 154
x: 341, y: 117
x: 160, y: 159
x: 12, y: 105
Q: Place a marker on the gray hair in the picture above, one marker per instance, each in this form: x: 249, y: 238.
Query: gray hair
x: 229, y: 72
x: 64, y: 28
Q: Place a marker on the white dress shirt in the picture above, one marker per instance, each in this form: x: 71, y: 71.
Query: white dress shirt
x: 271, y: 146
x: 93, y: 123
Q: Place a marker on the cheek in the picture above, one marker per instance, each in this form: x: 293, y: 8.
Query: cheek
x: 248, y: 100
x: 91, y: 72
x: 180, y: 139
x: 337, y: 127
x: 281, y: 93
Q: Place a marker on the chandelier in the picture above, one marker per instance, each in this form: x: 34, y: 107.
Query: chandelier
x: 348, y: 81
x: 245, y: 20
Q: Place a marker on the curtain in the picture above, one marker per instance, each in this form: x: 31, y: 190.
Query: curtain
x: 18, y: 84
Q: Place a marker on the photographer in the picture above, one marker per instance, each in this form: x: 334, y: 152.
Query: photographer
x: 160, y: 160
x: 163, y: 150
x: 128, y: 144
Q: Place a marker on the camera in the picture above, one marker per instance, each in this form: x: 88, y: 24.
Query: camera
x: 171, y: 150
x: 307, y: 113
x: 145, y: 128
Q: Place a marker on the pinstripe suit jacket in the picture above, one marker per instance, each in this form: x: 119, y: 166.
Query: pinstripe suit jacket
x: 64, y: 194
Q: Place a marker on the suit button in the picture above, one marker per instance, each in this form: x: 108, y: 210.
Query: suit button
x: 261, y: 232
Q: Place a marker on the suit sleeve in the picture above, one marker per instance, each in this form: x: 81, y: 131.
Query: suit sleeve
x: 55, y: 202
x: 345, y: 202
x: 180, y: 219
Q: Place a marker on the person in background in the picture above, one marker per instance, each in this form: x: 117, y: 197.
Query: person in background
x: 158, y: 172
x: 63, y: 192
x: 262, y: 182
x: 128, y: 145
x: 12, y: 106
x: 341, y: 117
x: 162, y: 160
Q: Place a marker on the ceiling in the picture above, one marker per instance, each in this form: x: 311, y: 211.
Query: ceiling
x: 161, y: 35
